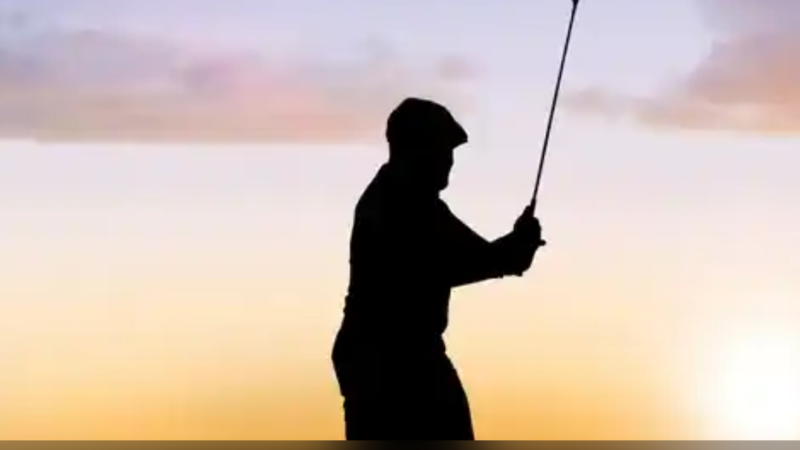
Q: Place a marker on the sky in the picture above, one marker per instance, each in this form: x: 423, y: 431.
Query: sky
x: 177, y: 182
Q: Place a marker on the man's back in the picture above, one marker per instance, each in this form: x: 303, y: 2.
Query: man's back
x: 398, y: 294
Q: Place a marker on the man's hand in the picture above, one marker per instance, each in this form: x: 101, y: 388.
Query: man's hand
x: 527, y: 226
x: 527, y: 239
x: 528, y: 229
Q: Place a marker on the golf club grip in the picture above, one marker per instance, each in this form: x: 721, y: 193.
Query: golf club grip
x: 553, y: 105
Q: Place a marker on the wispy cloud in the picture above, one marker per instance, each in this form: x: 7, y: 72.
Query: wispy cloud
x: 749, y: 81
x: 58, y: 83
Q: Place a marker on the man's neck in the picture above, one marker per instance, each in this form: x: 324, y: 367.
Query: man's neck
x: 403, y: 176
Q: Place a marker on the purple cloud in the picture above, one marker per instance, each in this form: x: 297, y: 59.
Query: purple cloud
x: 91, y: 85
x: 748, y: 81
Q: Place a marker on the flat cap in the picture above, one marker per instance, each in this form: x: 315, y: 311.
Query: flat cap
x: 417, y: 121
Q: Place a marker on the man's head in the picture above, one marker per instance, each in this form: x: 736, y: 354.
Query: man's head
x: 422, y: 136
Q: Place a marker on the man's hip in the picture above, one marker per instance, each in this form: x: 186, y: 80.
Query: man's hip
x: 404, y: 398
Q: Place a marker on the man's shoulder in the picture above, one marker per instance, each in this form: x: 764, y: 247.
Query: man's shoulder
x: 380, y: 195
x: 376, y: 205
x: 372, y: 199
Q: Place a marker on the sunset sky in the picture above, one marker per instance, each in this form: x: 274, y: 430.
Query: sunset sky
x: 177, y: 180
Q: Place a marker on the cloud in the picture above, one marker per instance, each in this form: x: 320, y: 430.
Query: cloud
x: 95, y: 85
x: 749, y: 81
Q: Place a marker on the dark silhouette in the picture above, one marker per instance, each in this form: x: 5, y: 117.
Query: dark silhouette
x: 407, y: 251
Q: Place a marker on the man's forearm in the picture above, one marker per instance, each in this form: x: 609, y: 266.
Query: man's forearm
x: 506, y: 251
x: 494, y: 260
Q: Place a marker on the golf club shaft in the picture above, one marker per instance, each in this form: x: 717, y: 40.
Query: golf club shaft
x: 553, y: 105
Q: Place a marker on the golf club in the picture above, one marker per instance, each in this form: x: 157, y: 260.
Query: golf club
x: 553, y: 106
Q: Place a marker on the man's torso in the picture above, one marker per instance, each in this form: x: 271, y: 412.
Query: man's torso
x: 398, y: 297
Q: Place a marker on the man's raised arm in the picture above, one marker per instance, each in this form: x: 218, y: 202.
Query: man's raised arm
x: 472, y: 258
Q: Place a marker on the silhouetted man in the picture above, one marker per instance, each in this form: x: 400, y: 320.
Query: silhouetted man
x: 407, y: 251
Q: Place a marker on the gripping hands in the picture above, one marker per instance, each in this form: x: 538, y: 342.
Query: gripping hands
x: 526, y: 238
